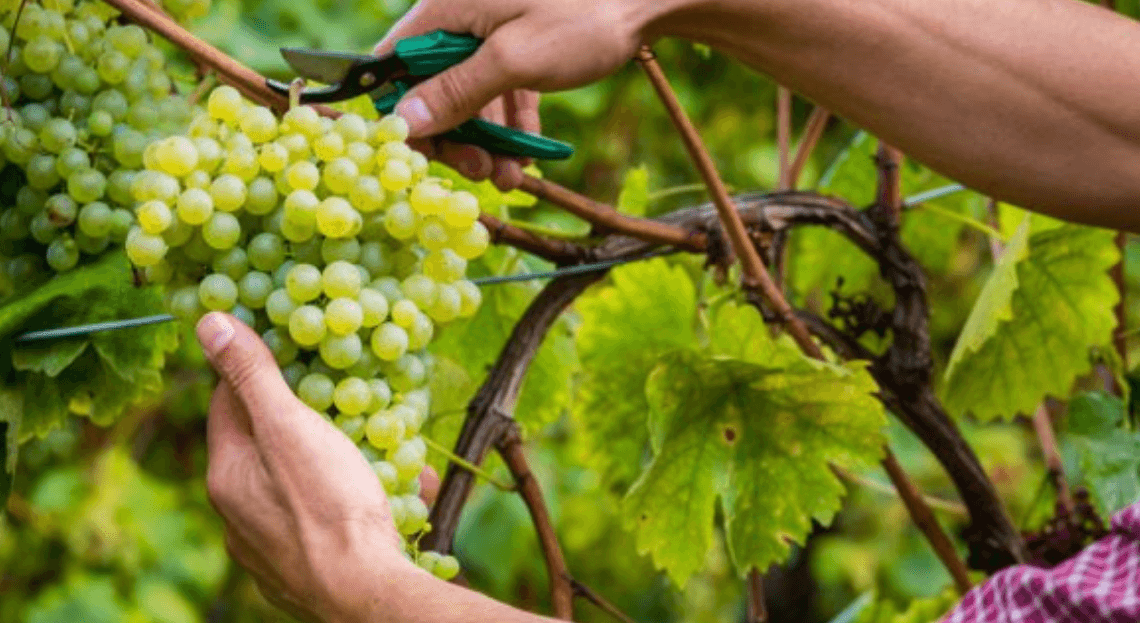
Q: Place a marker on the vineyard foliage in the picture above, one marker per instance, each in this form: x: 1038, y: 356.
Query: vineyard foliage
x: 678, y: 440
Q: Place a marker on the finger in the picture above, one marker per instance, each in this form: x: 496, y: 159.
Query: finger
x: 429, y: 486
x: 425, y: 146
x: 496, y: 111
x: 471, y: 161
x: 522, y: 111
x: 508, y: 174
x: 244, y: 362
x: 459, y: 93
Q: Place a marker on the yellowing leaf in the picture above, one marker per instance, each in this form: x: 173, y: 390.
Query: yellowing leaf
x: 731, y: 429
x: 1047, y: 302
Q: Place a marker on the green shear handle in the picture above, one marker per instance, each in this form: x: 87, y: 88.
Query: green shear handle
x: 430, y: 54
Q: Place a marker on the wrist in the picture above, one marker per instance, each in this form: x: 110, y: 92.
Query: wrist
x: 376, y: 592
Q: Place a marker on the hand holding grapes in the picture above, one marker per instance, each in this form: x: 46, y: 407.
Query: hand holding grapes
x: 304, y: 512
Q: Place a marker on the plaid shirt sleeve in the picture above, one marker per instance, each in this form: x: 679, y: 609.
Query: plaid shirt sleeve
x: 1101, y: 584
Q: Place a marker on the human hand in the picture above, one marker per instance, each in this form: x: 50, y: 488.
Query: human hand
x: 529, y: 46
x: 304, y: 512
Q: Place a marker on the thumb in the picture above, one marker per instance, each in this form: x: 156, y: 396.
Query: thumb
x: 245, y: 363
x: 458, y: 94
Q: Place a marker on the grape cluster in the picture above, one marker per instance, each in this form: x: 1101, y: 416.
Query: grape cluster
x: 330, y: 240
x: 1067, y: 532
x: 83, y: 97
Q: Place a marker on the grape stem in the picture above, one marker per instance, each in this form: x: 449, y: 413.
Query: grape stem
x: 471, y: 467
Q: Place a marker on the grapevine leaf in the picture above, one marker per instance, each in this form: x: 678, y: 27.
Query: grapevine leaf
x: 48, y: 357
x: 853, y: 175
x: 44, y: 407
x: 1099, y: 453
x: 11, y: 414
x: 921, y: 610
x: 728, y: 428
x: 634, y: 196
x: 14, y: 314
x: 1047, y: 302
x: 646, y: 312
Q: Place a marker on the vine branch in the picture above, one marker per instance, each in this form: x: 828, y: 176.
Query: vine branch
x: 756, y: 275
x: 561, y: 590
x: 813, y: 131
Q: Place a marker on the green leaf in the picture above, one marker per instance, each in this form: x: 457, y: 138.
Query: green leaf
x: 1100, y: 454
x: 729, y: 429
x: 853, y: 175
x: 49, y: 357
x: 475, y: 343
x: 11, y: 415
x: 645, y: 312
x: 634, y: 196
x: 163, y: 603
x: 924, y: 610
x: 1047, y: 302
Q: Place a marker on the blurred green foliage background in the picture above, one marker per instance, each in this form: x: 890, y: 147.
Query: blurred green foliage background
x: 113, y: 525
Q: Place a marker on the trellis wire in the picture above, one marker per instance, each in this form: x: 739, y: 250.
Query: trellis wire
x: 115, y: 325
x: 935, y: 193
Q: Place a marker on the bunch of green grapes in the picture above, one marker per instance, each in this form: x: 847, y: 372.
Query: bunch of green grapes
x: 330, y: 240
x: 82, y: 98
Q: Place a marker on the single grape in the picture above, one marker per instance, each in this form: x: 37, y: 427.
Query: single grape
x: 154, y: 216
x: 307, y: 325
x: 404, y: 313
x: 225, y: 104
x: 304, y: 283
x: 328, y: 146
x: 366, y: 194
x: 266, y: 251
x: 222, y: 230
x: 341, y: 279
x: 195, y: 206
x: 389, y: 341
x: 373, y: 307
x: 303, y: 175
x: 261, y: 197
x: 145, y: 249
x: 337, y: 219
x: 254, y: 289
x: 341, y: 351
x: 232, y: 262
x: 343, y: 316
x: 401, y: 221
x: 385, y: 432
x: 395, y: 175
x: 470, y: 298
x: 471, y: 243
x: 352, y: 426
x: 340, y: 175
x: 421, y: 332
x: 316, y: 390
x: 421, y: 290
x: 259, y: 124
x: 340, y: 249
x: 217, y: 292
x: 228, y: 192
x: 62, y: 254
x: 352, y: 396
x: 279, y: 306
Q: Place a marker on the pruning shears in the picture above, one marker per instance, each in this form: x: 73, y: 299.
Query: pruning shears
x: 387, y: 78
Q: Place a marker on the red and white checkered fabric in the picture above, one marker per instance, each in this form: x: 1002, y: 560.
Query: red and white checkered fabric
x: 1099, y: 585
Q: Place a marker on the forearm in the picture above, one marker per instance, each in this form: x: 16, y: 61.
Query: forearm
x: 407, y: 594
x: 1034, y: 101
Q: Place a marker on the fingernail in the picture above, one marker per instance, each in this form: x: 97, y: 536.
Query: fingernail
x: 416, y: 113
x: 214, y: 332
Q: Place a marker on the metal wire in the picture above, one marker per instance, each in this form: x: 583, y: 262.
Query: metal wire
x: 95, y: 327
x: 935, y: 193
x: 115, y: 325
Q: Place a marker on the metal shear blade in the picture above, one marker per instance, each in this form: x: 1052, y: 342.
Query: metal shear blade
x: 347, y: 75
